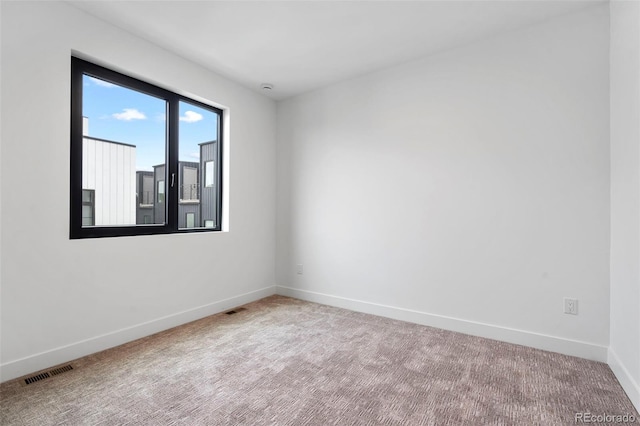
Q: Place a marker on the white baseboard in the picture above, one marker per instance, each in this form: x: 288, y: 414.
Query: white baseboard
x: 520, y: 337
x: 630, y: 386
x: 33, y: 363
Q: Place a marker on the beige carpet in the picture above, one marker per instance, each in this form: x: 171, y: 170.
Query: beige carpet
x: 287, y: 362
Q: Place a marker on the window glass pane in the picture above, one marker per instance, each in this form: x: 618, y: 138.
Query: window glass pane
x: 189, y: 187
x: 209, y: 224
x: 87, y: 207
x: 160, y: 191
x: 123, y: 151
x: 87, y: 215
x: 146, y: 198
x: 209, y: 176
x: 191, y: 220
x: 198, y: 147
x: 87, y: 196
x: 146, y: 189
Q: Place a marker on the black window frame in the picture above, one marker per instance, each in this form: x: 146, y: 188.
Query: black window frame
x: 80, y: 67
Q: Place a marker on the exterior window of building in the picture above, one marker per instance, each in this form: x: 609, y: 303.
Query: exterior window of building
x: 88, y: 207
x: 144, y: 160
x: 190, y: 183
x: 209, y: 174
x: 209, y: 224
x: 147, y: 190
x: 191, y: 220
x: 160, y: 196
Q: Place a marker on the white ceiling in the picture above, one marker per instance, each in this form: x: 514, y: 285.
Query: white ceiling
x: 299, y: 46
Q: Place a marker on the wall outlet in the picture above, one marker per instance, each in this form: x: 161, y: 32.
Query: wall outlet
x: 299, y: 268
x: 570, y: 306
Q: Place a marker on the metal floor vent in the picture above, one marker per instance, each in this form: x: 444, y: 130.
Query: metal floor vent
x: 235, y: 311
x: 60, y: 370
x: 36, y: 378
x: 47, y: 374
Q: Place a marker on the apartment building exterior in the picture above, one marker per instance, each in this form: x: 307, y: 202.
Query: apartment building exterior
x: 196, y: 191
x: 115, y: 193
x: 108, y: 181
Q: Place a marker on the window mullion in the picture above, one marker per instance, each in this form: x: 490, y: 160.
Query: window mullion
x: 173, y: 122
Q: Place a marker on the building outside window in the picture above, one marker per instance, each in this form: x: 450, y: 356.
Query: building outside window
x: 209, y: 174
x: 88, y: 207
x: 191, y: 220
x: 160, y: 197
x: 190, y: 183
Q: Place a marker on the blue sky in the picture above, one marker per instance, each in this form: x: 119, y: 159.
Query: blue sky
x: 123, y: 115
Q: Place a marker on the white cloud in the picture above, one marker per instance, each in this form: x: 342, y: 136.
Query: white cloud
x: 195, y: 155
x: 101, y: 83
x: 129, y: 114
x: 191, y: 117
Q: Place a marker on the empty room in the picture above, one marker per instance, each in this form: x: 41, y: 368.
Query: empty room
x: 320, y: 212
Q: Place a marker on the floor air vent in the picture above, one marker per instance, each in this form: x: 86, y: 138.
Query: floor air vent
x: 235, y: 311
x: 60, y: 370
x: 47, y: 374
x: 36, y: 378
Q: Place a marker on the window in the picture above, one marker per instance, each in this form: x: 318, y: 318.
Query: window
x: 191, y: 220
x: 88, y: 207
x: 209, y: 174
x: 189, y: 184
x: 145, y: 192
x: 139, y: 154
x: 160, y: 196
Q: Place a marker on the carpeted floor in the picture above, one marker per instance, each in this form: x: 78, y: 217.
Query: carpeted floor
x: 283, y: 361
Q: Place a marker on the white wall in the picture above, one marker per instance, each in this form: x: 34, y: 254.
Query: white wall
x: 60, y: 299
x: 624, y: 353
x: 468, y: 190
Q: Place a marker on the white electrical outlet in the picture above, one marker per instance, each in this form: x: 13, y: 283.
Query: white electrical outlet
x: 570, y: 306
x: 299, y: 268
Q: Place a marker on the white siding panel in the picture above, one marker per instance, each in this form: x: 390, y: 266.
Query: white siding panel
x: 90, y: 150
x: 126, y: 198
x: 113, y: 184
x: 99, y: 158
x: 106, y: 184
x: 131, y: 188
x: 119, y: 177
x: 85, y: 164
